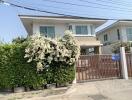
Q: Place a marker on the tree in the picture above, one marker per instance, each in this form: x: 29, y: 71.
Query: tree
x: 116, y: 46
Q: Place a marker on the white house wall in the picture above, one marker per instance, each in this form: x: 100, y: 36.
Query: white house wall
x: 123, y: 33
x: 112, y: 35
x: 112, y: 38
x: 59, y: 28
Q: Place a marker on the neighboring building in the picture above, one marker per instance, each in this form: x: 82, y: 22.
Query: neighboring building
x: 119, y: 31
x: 55, y: 26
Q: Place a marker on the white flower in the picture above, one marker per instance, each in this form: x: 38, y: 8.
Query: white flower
x: 58, y: 50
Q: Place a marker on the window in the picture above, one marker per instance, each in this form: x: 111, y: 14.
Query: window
x: 81, y: 30
x: 105, y: 37
x: 47, y: 31
x: 129, y: 34
x: 92, y: 29
x: 118, y: 34
x: 70, y: 27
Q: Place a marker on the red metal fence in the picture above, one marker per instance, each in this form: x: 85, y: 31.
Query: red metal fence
x: 129, y: 64
x: 97, y: 67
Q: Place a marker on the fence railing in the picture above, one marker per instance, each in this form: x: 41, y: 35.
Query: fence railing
x: 129, y: 64
x: 97, y: 67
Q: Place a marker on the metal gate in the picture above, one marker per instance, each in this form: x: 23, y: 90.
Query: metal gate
x: 96, y: 67
x: 129, y: 64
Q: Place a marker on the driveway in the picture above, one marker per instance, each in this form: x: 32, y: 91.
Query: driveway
x: 118, y: 89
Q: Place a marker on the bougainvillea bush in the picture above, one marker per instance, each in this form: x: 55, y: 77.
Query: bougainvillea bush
x: 37, y: 60
x: 56, y: 56
x: 45, y: 51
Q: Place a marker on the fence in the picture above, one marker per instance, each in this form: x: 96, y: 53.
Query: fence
x: 129, y: 64
x: 97, y: 67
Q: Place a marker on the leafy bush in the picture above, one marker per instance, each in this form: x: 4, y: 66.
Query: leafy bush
x: 116, y: 46
x: 19, y: 40
x: 14, y: 69
x: 45, y: 51
x: 55, y: 61
x: 63, y: 74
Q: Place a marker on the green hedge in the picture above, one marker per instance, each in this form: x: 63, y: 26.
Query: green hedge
x: 15, y: 71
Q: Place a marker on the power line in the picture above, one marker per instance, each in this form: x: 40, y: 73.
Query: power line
x: 89, y: 6
x: 66, y: 10
x: 72, y: 10
x: 104, y: 4
x: 51, y: 7
x: 116, y: 3
x: 45, y: 6
x: 61, y: 14
x: 121, y: 2
x: 67, y: 15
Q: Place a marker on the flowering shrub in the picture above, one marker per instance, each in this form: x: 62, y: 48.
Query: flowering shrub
x: 36, y: 50
x: 45, y: 51
x: 54, y: 58
x: 71, y: 46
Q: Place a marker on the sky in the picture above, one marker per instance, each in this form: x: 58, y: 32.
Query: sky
x: 11, y: 26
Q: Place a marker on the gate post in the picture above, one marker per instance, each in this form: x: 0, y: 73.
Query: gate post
x: 123, y: 62
x: 131, y: 50
x: 75, y: 80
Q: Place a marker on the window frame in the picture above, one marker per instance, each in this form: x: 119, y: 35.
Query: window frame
x: 127, y: 35
x: 80, y: 26
x: 105, y: 37
x: 118, y: 34
x: 70, y: 27
x: 89, y: 26
x: 47, y: 26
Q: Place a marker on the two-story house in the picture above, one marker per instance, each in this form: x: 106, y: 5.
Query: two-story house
x: 119, y: 31
x: 55, y: 26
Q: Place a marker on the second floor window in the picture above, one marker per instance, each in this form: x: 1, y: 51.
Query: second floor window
x: 92, y: 30
x: 118, y: 34
x: 47, y: 31
x: 70, y: 27
x: 129, y: 34
x: 105, y: 37
x: 82, y: 30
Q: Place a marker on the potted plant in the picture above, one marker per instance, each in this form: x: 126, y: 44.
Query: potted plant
x: 19, y: 89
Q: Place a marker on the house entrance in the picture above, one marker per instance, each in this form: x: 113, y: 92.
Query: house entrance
x: 88, y: 51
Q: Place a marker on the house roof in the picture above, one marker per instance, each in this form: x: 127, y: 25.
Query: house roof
x: 67, y: 17
x: 106, y: 26
x: 61, y: 19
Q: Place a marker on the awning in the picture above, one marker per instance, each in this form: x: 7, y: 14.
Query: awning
x: 88, y: 41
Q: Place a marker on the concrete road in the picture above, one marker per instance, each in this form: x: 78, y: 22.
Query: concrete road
x: 100, y: 90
